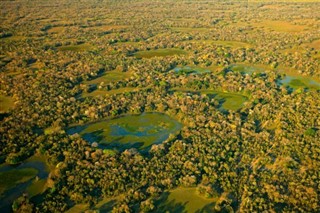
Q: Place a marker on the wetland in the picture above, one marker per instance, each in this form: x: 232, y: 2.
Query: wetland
x: 129, y: 131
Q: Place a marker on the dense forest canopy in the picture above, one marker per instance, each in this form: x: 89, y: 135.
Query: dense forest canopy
x: 155, y: 106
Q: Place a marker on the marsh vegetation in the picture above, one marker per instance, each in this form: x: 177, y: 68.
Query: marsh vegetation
x: 129, y: 131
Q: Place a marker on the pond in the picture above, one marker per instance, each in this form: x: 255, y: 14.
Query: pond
x: 293, y: 81
x: 296, y: 82
x: 130, y: 131
x: 18, y: 179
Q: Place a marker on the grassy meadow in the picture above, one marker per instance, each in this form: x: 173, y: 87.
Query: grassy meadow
x: 12, y: 178
x: 6, y: 103
x: 159, y: 53
x: 184, y: 200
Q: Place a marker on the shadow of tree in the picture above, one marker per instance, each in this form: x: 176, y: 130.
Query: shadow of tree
x: 172, y: 206
x: 95, y: 136
x: 107, y: 207
x: 123, y: 146
x: 207, y: 208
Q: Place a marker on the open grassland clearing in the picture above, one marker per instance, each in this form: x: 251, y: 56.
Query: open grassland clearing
x: 190, y: 29
x: 271, y: 6
x: 39, y: 185
x: 136, y: 44
x: 281, y: 26
x: 231, y: 44
x: 27, y: 170
x: 104, y: 205
x: 10, y: 179
x: 36, y: 187
x: 29, y: 176
x: 110, y: 92
x: 317, y: 56
x: 159, y: 53
x: 185, y: 200
x: 110, y: 76
x: 105, y: 28
x: 6, y: 103
x: 227, y: 100
x: 248, y: 68
x: 76, y: 48
x: 230, y: 101
x: 78, y: 208
x: 181, y: 19
x: 14, y: 38
x: 314, y: 44
x: 37, y: 65
x: 191, y: 70
x: 61, y: 29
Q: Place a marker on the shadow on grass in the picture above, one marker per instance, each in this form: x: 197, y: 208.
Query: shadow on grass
x: 107, y: 207
x: 164, y: 205
x: 122, y: 146
x: 207, y: 208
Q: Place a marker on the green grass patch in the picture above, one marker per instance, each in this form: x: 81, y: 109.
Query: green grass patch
x: 42, y: 159
x: 76, y: 48
x: 185, y: 200
x: 78, y: 208
x: 230, y: 101
x: 315, y: 44
x: 160, y: 53
x: 248, y: 69
x: 6, y: 103
x: 232, y: 44
x: 107, y: 28
x: 10, y: 179
x: 105, y: 205
x: 56, y: 30
x: 190, y: 29
x: 191, y: 69
x: 109, y: 92
x: 311, y: 132
x: 108, y: 77
x: 139, y: 131
x: 316, y: 56
x: 227, y: 100
x: 37, y: 187
x: 281, y: 26
x: 14, y: 38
